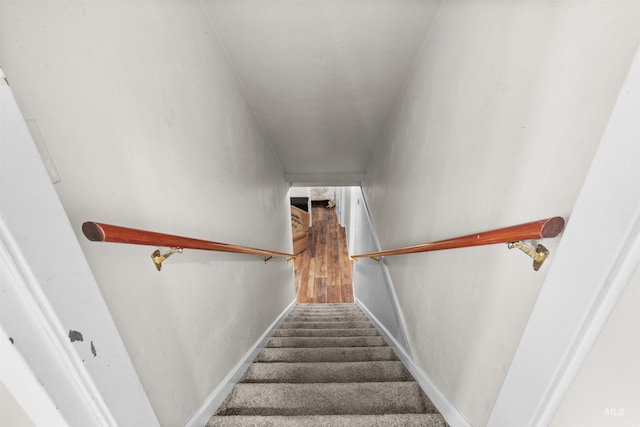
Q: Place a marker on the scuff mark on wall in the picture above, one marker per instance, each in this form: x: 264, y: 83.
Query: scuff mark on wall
x: 93, y: 350
x: 75, y: 336
x: 11, y: 339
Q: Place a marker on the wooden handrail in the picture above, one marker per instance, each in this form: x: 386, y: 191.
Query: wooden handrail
x: 99, y: 232
x: 544, y: 228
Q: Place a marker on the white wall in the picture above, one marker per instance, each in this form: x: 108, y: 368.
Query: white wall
x: 606, y: 390
x: 498, y: 126
x: 149, y: 128
x: 372, y: 285
x: 323, y: 75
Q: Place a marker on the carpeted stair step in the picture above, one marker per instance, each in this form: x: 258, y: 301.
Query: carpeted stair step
x: 326, y: 325
x: 370, y: 398
x: 323, y: 312
x: 353, y: 312
x: 326, y: 306
x: 386, y: 420
x: 327, y: 365
x: 325, y: 354
x: 326, y: 332
x: 327, y: 372
x: 318, y: 309
x: 328, y: 318
x: 366, y: 341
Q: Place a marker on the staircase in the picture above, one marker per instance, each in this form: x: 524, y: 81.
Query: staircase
x: 327, y: 366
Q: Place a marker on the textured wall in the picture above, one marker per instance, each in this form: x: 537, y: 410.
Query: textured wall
x: 149, y: 128
x: 497, y: 126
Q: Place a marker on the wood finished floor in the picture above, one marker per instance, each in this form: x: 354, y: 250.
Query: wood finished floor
x: 323, y: 270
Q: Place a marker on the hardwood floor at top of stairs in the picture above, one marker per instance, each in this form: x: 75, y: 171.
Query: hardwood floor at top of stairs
x: 324, y: 271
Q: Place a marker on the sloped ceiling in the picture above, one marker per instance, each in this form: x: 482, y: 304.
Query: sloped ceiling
x: 323, y: 76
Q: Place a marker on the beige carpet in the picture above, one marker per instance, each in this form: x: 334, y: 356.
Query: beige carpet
x: 327, y: 366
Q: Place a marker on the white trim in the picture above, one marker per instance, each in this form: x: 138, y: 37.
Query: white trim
x: 583, y: 284
x: 217, y: 396
x: 24, y: 386
x: 48, y: 348
x: 446, y: 408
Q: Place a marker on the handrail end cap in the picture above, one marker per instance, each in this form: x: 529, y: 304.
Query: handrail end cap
x: 93, y: 231
x: 552, y: 227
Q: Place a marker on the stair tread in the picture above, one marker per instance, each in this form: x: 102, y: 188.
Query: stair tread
x: 373, y: 398
x: 327, y: 305
x: 366, y: 341
x: 327, y: 325
x: 386, y: 420
x: 327, y: 372
x: 328, y: 318
x: 326, y: 313
x: 331, y: 332
x: 325, y: 354
x: 321, y: 311
x: 327, y: 365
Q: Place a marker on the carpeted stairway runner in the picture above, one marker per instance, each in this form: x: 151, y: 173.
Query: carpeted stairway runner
x: 327, y: 366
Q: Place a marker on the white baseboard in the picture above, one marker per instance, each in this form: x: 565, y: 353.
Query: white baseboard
x: 446, y: 408
x: 217, y: 396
